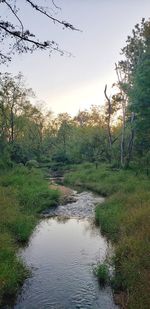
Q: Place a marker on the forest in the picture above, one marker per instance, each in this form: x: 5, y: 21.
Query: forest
x: 117, y: 133
x: 105, y: 149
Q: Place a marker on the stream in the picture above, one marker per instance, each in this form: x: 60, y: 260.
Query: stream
x: 62, y: 252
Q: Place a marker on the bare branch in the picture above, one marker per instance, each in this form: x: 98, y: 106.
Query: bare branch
x: 25, y: 37
x: 57, y: 7
x: 55, y: 20
x: 14, y: 13
x: 105, y: 93
x: 22, y: 40
x: 4, y: 58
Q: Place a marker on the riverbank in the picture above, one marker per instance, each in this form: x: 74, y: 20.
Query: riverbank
x: 66, y: 194
x: 23, y: 195
x: 124, y: 218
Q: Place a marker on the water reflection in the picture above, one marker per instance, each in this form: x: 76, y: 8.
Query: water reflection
x: 62, y: 253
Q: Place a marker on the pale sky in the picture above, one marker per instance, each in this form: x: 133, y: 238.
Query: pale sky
x: 68, y: 84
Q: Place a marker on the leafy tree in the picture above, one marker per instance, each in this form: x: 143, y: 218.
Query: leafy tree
x: 21, y: 123
x: 140, y: 104
x: 139, y: 90
x: 13, y: 97
x: 133, y: 82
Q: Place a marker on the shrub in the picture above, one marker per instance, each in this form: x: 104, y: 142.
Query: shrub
x: 32, y: 163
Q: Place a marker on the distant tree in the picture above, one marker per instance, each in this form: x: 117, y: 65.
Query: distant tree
x: 82, y: 118
x: 13, y: 97
x: 21, y: 123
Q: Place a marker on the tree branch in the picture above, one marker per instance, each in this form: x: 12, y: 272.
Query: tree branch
x: 54, y: 4
x: 42, y: 11
x: 22, y: 40
x: 14, y: 13
x: 25, y: 37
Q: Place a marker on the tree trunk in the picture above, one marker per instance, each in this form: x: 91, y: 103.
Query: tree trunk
x: 109, y: 123
x: 131, y: 141
x: 123, y: 135
x: 12, y: 124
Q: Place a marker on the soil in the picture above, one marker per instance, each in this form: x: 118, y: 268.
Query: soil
x: 67, y: 194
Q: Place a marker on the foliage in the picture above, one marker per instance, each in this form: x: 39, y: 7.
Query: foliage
x: 32, y: 163
x: 133, y: 81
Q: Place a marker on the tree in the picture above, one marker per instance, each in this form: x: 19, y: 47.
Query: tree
x: 13, y: 97
x: 140, y: 104
x: 112, y: 105
x: 21, y: 123
x: 123, y: 99
x: 16, y: 38
x: 137, y: 70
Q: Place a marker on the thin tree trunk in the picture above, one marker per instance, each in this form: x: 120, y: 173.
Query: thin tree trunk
x: 123, y: 135
x: 121, y: 80
x: 12, y: 124
x: 109, y: 122
x: 131, y: 141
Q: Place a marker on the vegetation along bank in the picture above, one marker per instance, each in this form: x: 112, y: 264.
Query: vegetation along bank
x: 124, y: 219
x: 23, y: 195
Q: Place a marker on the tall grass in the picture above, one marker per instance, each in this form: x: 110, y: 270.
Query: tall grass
x: 125, y: 218
x: 23, y: 194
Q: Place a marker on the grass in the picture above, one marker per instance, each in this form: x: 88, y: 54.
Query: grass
x: 102, y: 273
x: 23, y: 194
x: 125, y: 218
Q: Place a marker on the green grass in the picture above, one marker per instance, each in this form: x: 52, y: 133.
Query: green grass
x: 125, y: 218
x: 23, y: 194
x: 102, y: 273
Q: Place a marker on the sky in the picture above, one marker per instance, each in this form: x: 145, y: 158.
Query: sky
x: 70, y: 84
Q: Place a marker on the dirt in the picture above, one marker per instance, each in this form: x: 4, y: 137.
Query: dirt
x: 67, y: 194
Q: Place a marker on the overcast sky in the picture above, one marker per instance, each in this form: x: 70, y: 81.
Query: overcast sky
x: 68, y: 84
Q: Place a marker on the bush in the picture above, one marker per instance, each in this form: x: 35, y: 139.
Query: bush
x: 32, y: 163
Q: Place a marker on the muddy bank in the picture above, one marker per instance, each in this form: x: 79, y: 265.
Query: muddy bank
x: 67, y: 194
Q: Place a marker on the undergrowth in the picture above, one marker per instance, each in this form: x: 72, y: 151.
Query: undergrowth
x: 125, y: 218
x: 23, y: 194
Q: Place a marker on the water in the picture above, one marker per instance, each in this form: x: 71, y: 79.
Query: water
x: 83, y: 207
x: 62, y: 253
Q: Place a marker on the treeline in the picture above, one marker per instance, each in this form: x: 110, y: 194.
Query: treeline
x: 118, y: 132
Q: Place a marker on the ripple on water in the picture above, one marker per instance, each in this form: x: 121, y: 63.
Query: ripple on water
x: 83, y: 207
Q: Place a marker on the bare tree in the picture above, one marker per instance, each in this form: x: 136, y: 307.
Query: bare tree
x: 121, y: 82
x: 126, y: 143
x: 108, y: 118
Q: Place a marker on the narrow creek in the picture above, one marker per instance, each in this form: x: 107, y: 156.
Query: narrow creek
x: 62, y: 253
